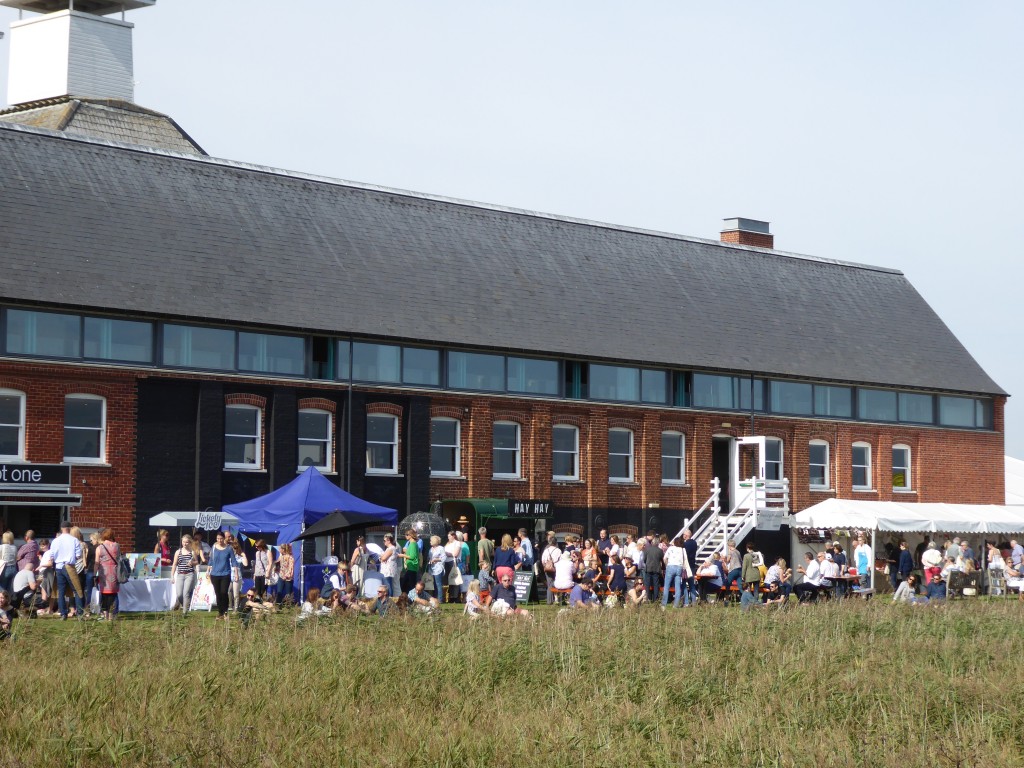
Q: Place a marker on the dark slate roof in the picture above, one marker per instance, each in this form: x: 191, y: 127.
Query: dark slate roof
x: 108, y: 119
x: 94, y: 225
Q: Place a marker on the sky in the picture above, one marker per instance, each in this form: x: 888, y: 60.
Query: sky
x: 874, y: 132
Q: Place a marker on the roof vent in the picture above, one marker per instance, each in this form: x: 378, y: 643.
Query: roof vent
x: 747, y: 232
x: 75, y: 50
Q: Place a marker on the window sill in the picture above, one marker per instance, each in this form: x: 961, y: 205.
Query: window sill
x: 384, y: 474
x: 906, y: 491
x: 245, y: 469
x: 508, y: 478
x: 821, y: 489
x: 447, y: 477
x: 322, y: 471
x: 865, y: 490
x: 566, y: 481
x: 85, y: 463
x: 626, y: 483
x: 670, y: 484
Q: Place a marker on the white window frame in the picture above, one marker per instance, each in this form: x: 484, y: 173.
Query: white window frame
x: 101, y: 437
x: 328, y: 448
x: 258, y: 464
x: 631, y: 456
x: 866, y: 465
x: 908, y: 474
x: 393, y: 469
x: 828, y: 479
x: 517, y: 450
x: 457, y: 471
x: 781, y: 462
x: 681, y: 458
x: 20, y: 456
x: 575, y: 453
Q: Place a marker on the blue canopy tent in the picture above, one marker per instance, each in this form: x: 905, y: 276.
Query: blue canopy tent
x: 305, y: 500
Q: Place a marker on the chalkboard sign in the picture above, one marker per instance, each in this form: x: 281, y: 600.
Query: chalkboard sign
x: 524, y: 580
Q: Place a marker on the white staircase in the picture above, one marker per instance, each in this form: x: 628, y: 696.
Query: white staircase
x: 763, y: 504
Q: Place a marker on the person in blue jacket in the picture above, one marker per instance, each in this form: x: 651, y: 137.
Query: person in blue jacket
x: 222, y: 560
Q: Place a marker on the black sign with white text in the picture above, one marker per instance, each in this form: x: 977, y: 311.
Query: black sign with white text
x: 530, y: 508
x: 35, y: 476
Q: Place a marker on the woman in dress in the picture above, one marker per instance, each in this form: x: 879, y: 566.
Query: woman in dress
x: 285, y: 572
x: 163, y: 548
x: 616, y: 576
x: 435, y: 561
x: 222, y: 560
x: 183, y: 574
x: 357, y: 563
x: 473, y: 607
x: 452, y: 563
x: 241, y: 561
x: 106, y: 573
x: 264, y: 562
x: 505, y: 558
x: 390, y: 565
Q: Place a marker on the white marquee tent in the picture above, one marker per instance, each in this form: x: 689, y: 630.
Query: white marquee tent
x: 922, y: 518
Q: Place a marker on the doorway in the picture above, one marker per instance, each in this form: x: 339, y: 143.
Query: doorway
x: 721, y: 467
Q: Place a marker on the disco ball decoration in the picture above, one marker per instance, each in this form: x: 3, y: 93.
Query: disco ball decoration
x: 426, y: 524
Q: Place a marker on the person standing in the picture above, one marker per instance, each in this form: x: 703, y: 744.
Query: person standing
x: 389, y: 566
x: 864, y: 559
x: 162, y: 549
x: 690, y: 545
x: 66, y: 551
x: 285, y: 573
x: 734, y: 565
x: 264, y: 561
x: 905, y: 563
x: 548, y: 558
x: 604, y: 546
x: 29, y: 551
x: 8, y: 561
x: 357, y: 563
x: 751, y: 574
x: 528, y: 557
x: 652, y: 558
x: 222, y: 560
x: 107, y: 555
x: 676, y: 570
x: 411, y: 559
x: 183, y: 574
x: 241, y: 561
x: 484, y: 550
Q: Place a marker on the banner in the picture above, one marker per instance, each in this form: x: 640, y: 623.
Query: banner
x: 144, y: 566
x: 204, y: 597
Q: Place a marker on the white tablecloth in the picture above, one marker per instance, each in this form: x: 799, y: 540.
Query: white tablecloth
x: 137, y: 595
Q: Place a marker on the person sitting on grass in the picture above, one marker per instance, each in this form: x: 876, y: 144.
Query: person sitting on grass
x: 582, y: 595
x: 936, y: 589
x: 636, y: 594
x: 7, y: 614
x: 25, y: 586
x: 906, y: 592
x: 382, y: 605
x: 313, y: 606
x: 505, y: 591
x: 252, y: 607
x: 474, y: 609
x: 748, y: 599
x: 421, y: 600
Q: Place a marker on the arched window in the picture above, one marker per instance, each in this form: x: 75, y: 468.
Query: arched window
x: 565, y: 452
x: 243, y: 428
x: 901, y: 477
x: 620, y: 456
x: 85, y: 429
x: 445, y: 447
x: 673, y: 458
x: 861, y: 467
x: 506, y: 450
x: 12, y: 425
x: 316, y: 444
x: 818, y: 465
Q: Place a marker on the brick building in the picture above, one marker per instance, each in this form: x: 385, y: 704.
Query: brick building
x: 187, y: 332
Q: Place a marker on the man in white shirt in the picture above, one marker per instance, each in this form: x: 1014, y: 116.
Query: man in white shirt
x: 864, y: 559
x: 565, y: 568
x: 812, y: 577
x: 66, y: 551
x: 551, y: 555
x: 829, y: 571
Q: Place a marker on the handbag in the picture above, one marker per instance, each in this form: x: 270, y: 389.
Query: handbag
x: 428, y: 581
x: 456, y: 577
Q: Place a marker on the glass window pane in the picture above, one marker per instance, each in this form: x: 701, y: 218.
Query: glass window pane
x: 916, y: 408
x: 380, y: 429
x: 533, y: 376
x: 344, y: 353
x: 819, y: 453
x: 314, y: 425
x: 900, y: 465
x: 504, y: 462
x: 240, y: 420
x: 564, y: 465
x: 742, y: 384
x: 10, y: 409
x: 654, y: 386
x: 714, y: 391
x: 564, y: 438
x: 83, y: 412
x: 860, y: 455
x: 791, y: 397
x: 442, y: 459
x: 506, y: 436
x: 376, y: 362
x: 670, y: 469
x: 193, y: 347
x: 956, y: 411
x: 421, y: 366
x: 268, y: 353
x: 876, y: 404
x: 127, y: 340
x: 619, y: 441
x: 443, y: 431
x: 983, y: 414
x: 608, y: 382
x: 618, y: 467
x: 82, y: 443
x: 379, y: 457
x: 312, y: 454
x: 833, y: 401
x: 239, y: 450
x: 671, y: 445
x: 9, y: 441
x: 472, y: 370
x: 43, y: 333
x: 860, y: 477
x: 817, y: 473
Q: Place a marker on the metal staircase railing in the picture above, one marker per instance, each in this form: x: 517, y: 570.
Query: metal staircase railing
x: 762, y: 498
x: 713, y: 503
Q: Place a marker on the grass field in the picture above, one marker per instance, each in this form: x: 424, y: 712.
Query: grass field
x: 853, y: 684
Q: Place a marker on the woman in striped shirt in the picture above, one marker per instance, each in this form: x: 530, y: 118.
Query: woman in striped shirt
x: 183, y: 574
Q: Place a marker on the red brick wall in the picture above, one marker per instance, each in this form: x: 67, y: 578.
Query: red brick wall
x: 758, y: 239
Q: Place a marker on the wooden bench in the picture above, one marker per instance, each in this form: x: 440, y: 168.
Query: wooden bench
x: 558, y: 592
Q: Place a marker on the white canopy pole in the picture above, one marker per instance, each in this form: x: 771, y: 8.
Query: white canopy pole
x: 871, y: 562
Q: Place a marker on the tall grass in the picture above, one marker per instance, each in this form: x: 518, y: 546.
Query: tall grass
x: 833, y: 685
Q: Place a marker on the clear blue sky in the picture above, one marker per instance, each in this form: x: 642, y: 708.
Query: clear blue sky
x: 877, y: 132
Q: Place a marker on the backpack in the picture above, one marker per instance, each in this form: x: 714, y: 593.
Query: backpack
x: 328, y: 587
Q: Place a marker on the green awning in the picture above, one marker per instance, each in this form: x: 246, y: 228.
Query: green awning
x: 481, y: 508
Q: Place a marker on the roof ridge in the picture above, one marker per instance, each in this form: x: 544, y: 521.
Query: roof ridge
x: 332, y: 181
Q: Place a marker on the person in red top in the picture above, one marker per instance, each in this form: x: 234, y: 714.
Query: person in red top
x: 163, y: 548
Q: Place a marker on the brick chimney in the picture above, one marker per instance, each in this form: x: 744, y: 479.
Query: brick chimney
x: 748, y: 232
